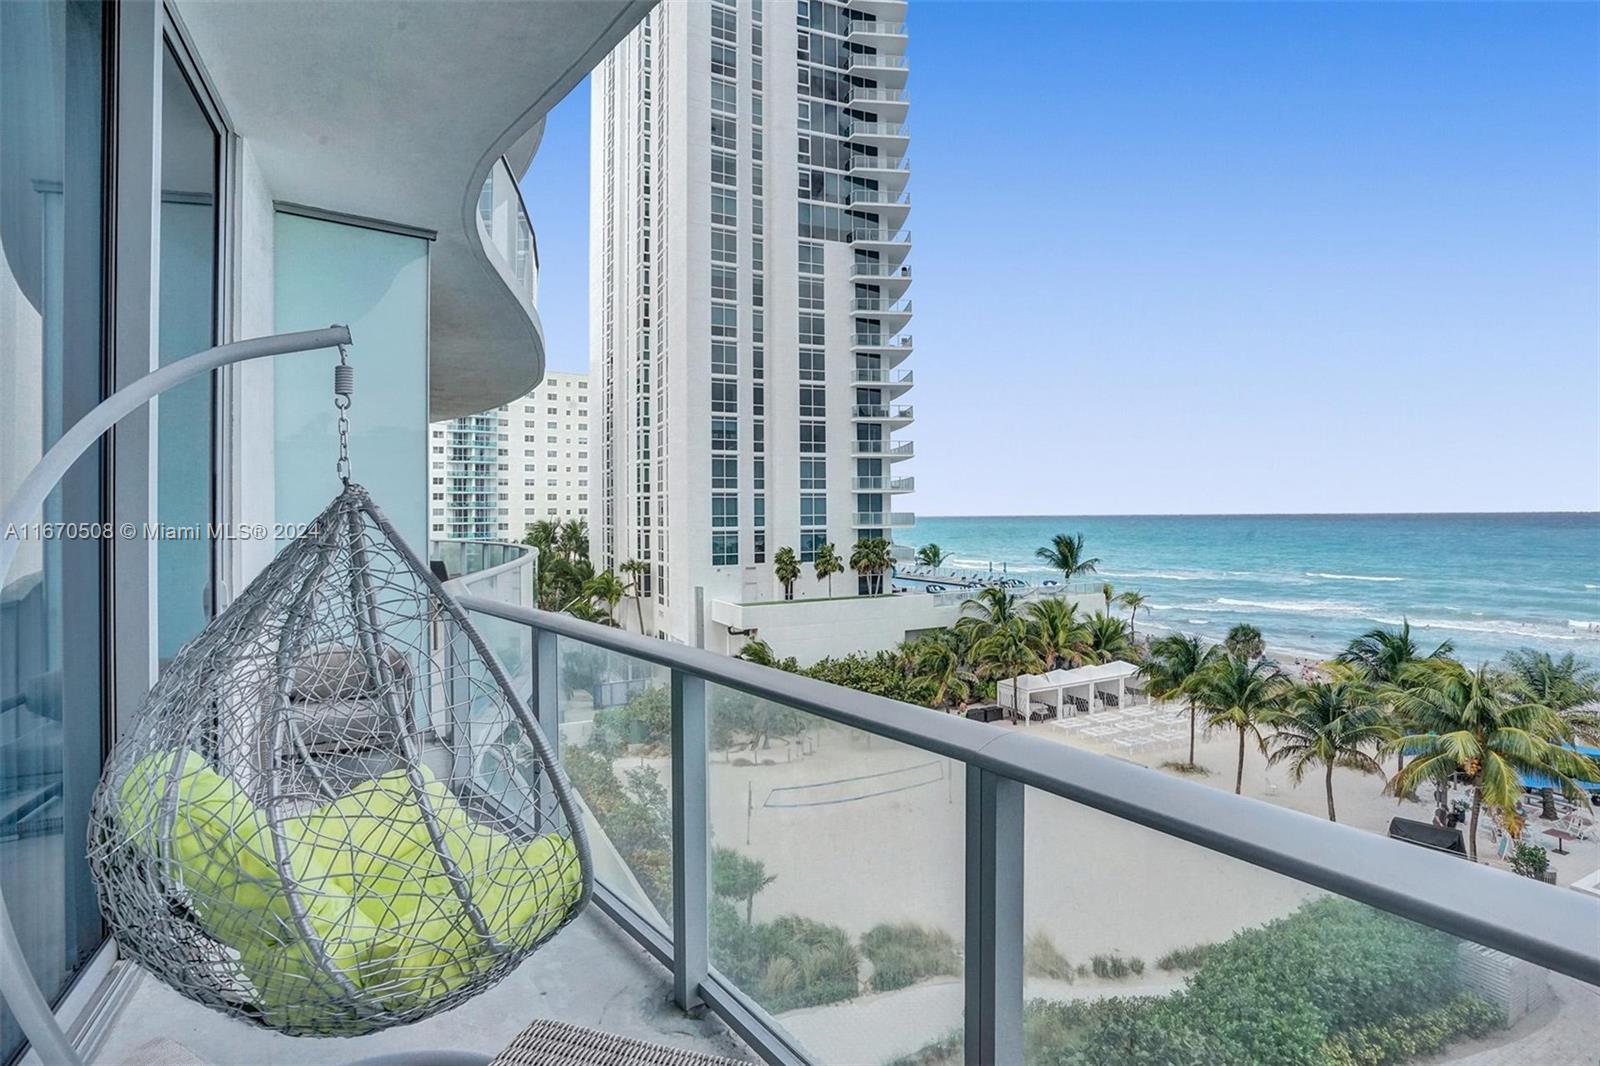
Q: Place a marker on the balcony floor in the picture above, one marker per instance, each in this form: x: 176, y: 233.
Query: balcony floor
x: 591, y: 974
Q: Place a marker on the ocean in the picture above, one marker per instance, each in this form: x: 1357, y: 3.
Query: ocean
x: 1487, y: 582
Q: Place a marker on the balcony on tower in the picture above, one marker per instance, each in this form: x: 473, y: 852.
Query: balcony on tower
x: 892, y: 314
x: 889, y: 105
x: 893, y: 350
x: 883, y: 483
x: 882, y: 519
x: 891, y: 279
x: 889, y: 451
x: 889, y: 71
x: 892, y: 138
x: 895, y: 414
x: 892, y: 244
x: 892, y: 382
x: 890, y: 207
x: 891, y: 172
x: 886, y: 35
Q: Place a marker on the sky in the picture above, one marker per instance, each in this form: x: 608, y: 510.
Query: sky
x: 1230, y: 258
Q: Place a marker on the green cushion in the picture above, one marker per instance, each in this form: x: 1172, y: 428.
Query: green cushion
x: 374, y: 890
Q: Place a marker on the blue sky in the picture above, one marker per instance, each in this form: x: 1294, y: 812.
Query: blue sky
x: 1231, y: 258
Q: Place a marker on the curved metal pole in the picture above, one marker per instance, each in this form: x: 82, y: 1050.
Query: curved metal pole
x: 17, y: 986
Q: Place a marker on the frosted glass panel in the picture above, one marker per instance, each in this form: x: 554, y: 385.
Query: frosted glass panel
x: 377, y: 283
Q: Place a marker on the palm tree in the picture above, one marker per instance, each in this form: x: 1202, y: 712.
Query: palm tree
x: 636, y: 570
x: 1105, y: 638
x: 1109, y: 591
x: 1058, y: 632
x: 609, y: 590
x: 991, y: 608
x: 1245, y: 641
x: 1559, y: 684
x: 542, y: 535
x: 941, y: 663
x: 1065, y: 554
x: 759, y: 652
x: 1132, y: 601
x: 1563, y: 685
x: 1379, y: 655
x: 1337, y: 723
x: 871, y: 559
x: 573, y: 540
x: 930, y: 555
x: 1476, y: 724
x: 1173, y: 670
x: 1243, y: 694
x: 1006, y: 652
x: 786, y: 568
x: 827, y: 564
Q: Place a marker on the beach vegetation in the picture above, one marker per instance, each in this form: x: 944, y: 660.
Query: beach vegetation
x: 1379, y: 655
x: 1041, y: 958
x: 903, y: 954
x: 1245, y: 695
x: 1245, y: 641
x: 1172, y: 671
x: 931, y: 556
x: 1134, y: 601
x: 1114, y: 967
x: 1065, y: 554
x: 1329, y: 724
x: 1186, y: 958
x: 1478, y: 726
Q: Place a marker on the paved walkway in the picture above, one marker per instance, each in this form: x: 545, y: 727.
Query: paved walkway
x: 1570, y: 1038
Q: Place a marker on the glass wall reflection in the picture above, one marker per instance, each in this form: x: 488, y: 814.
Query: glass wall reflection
x: 51, y: 209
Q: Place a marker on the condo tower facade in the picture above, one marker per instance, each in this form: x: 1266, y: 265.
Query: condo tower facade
x: 748, y: 297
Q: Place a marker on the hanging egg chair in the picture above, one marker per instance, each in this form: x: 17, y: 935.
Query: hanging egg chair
x: 334, y: 813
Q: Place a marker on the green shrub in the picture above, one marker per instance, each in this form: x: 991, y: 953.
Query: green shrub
x: 1530, y: 860
x: 1041, y: 958
x: 787, y: 963
x: 902, y: 955
x: 1189, y: 958
x: 1465, y: 1016
x: 1334, y: 981
x: 1114, y: 967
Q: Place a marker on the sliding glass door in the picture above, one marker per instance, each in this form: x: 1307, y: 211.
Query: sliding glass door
x: 52, y: 210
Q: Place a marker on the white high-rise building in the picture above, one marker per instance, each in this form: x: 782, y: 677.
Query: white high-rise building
x: 747, y: 296
x: 495, y: 473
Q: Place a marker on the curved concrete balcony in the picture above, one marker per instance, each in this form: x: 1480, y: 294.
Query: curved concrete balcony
x: 888, y: 10
x: 890, y: 105
x: 415, y: 148
x: 883, y: 484
x: 891, y: 172
x: 890, y: 208
x: 892, y: 350
x: 893, y: 314
x: 892, y: 279
x: 896, y: 415
x: 882, y: 519
x: 892, y: 244
x: 892, y: 138
x: 889, y: 71
x: 894, y: 382
x: 890, y: 451
x: 885, y: 36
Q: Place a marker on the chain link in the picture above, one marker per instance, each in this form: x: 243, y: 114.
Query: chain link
x: 343, y: 386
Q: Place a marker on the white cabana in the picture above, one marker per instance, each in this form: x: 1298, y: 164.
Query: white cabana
x: 1060, y: 687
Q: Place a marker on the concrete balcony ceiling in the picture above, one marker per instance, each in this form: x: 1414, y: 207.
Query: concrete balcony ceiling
x: 397, y: 111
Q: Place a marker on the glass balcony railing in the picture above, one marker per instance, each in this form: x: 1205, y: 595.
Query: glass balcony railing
x: 873, y: 340
x: 879, y: 61
x: 845, y: 878
x: 877, y: 29
x: 880, y: 129
x: 881, y: 377
x: 879, y: 270
x: 869, y: 97
x: 878, y: 200
x: 508, y: 231
x: 881, y: 236
x: 882, y: 411
x: 880, y: 162
x: 880, y: 307
x: 883, y: 484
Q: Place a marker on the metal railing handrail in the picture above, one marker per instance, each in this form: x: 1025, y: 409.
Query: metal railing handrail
x: 1478, y: 903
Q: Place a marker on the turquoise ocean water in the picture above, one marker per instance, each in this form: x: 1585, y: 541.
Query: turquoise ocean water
x: 1489, y: 583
